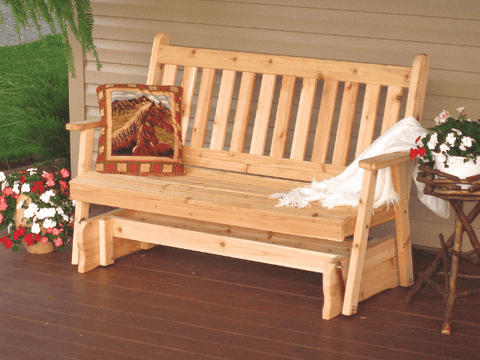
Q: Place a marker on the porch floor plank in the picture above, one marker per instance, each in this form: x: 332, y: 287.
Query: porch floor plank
x: 166, y: 303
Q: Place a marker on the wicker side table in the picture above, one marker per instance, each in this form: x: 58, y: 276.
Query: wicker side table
x: 455, y: 191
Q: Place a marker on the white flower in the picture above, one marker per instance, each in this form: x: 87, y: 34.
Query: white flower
x: 457, y: 131
x: 2, y: 176
x: 450, y: 140
x: 467, y: 142
x: 433, y: 141
x: 16, y: 187
x: 45, y: 197
x: 30, y: 211
x: 60, y: 211
x: 48, y: 224
x: 20, y: 204
x: 36, y: 228
x: 444, y: 148
x: 32, y: 171
x: 25, y: 188
x: 46, y: 213
x: 440, y: 119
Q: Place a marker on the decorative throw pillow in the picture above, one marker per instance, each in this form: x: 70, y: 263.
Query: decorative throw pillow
x: 141, y: 130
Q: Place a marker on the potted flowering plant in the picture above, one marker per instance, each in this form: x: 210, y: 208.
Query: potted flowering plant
x: 452, y: 142
x: 35, y: 209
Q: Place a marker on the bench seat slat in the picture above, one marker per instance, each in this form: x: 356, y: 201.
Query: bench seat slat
x: 212, y: 197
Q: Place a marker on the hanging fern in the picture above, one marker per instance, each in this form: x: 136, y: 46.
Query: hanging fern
x: 76, y: 14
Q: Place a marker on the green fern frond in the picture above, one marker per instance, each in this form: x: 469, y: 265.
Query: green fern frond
x: 74, y: 14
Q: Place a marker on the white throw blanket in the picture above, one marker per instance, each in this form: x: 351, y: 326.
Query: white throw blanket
x: 345, y: 188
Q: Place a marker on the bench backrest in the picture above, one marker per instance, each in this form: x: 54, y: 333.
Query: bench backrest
x: 241, y: 112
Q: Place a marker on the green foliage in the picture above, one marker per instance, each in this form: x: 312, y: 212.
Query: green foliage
x: 451, y: 137
x: 33, y: 101
x: 76, y: 14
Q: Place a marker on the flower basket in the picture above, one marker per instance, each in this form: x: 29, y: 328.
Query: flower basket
x: 452, y: 146
x: 36, y: 210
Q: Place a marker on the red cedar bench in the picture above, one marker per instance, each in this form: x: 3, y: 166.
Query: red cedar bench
x: 239, y: 150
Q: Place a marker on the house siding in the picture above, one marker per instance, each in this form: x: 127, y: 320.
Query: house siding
x: 370, y: 31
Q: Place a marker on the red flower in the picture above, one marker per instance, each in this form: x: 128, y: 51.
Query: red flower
x: 417, y: 152
x: 38, y: 186
x: 64, y: 186
x: 23, y: 179
x: 6, y: 241
x: 18, y: 233
x: 28, y: 239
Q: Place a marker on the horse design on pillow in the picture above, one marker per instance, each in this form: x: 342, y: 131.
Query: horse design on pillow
x: 142, y: 127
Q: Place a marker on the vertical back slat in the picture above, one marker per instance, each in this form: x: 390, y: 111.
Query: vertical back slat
x: 345, y: 123
x: 224, y: 102
x: 242, y: 115
x: 203, y: 107
x: 262, y: 117
x: 303, y: 120
x: 188, y: 83
x: 369, y: 117
x: 393, y: 105
x: 169, y: 74
x: 325, y: 121
x: 282, y: 120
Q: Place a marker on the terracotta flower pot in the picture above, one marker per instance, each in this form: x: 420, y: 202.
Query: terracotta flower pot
x: 38, y: 248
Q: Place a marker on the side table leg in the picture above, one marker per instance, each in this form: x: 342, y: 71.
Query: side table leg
x: 457, y: 246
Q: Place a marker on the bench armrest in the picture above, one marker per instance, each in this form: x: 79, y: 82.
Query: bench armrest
x: 83, y: 125
x: 384, y: 160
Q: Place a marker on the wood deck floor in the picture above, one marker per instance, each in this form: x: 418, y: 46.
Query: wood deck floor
x: 173, y: 304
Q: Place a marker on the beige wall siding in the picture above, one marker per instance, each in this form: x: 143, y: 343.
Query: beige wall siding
x: 390, y: 32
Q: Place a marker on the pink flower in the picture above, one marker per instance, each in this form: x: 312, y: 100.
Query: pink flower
x: 65, y: 173
x: 44, y: 239
x: 1, y: 218
x: 56, y: 231
x: 58, y: 242
x: 8, y: 191
x: 3, y: 204
x: 50, y: 182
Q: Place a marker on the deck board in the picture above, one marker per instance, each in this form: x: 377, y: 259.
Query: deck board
x: 167, y: 303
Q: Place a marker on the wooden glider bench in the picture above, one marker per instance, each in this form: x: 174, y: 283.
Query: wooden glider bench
x: 248, y: 133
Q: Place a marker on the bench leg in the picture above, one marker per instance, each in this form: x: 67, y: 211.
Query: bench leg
x: 81, y: 214
x: 401, y: 176
x: 359, y: 247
